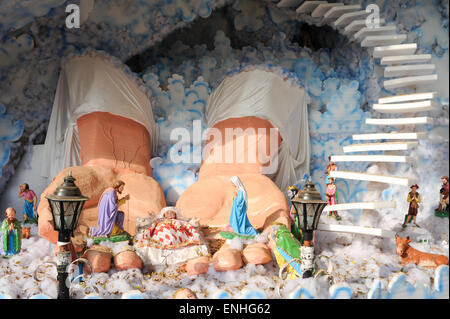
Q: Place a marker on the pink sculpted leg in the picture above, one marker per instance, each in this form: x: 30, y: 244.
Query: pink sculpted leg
x: 112, y: 148
x: 211, y: 197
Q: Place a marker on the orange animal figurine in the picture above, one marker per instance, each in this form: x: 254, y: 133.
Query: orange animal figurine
x: 410, y: 255
x: 26, y: 232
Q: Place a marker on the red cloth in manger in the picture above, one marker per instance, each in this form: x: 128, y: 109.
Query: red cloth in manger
x: 169, y: 234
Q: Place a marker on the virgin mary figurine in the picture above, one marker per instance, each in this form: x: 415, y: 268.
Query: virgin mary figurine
x: 238, y: 219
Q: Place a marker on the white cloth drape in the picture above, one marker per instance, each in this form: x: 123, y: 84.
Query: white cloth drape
x: 264, y: 94
x: 88, y: 84
x: 238, y: 183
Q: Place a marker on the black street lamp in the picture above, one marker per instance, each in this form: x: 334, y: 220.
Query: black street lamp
x: 66, y: 204
x: 309, y: 206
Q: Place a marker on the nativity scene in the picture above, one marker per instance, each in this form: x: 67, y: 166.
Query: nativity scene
x: 224, y: 149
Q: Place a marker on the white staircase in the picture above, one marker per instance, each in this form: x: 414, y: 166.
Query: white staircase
x: 348, y: 18
x: 406, y: 107
x: 322, y: 8
x: 394, y: 50
x: 372, y: 158
x: 403, y: 68
x: 389, y: 136
x: 404, y: 59
x: 378, y: 232
x: 401, y: 121
x: 336, y: 12
x: 407, y: 97
x: 408, y: 70
x: 387, y: 146
x: 357, y: 25
x: 363, y: 205
x: 364, y: 32
x: 379, y: 40
x: 404, y: 181
x: 410, y: 81
x: 308, y: 6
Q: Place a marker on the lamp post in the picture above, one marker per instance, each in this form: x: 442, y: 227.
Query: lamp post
x: 66, y: 204
x: 309, y: 206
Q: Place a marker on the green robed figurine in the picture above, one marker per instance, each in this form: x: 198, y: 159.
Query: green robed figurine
x: 11, y: 230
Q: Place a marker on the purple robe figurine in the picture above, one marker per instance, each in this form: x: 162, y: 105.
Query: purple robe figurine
x: 108, y: 213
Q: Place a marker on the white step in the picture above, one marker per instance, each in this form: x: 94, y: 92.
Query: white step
x: 409, y: 70
x: 373, y: 158
x: 308, y: 6
x: 349, y: 17
x: 388, y: 146
x: 386, y: 30
x: 401, y: 121
x: 404, y: 181
x: 404, y: 59
x: 364, y: 205
x: 407, y: 97
x: 321, y: 9
x: 357, y: 25
x: 290, y: 3
x: 379, y: 40
x: 356, y: 230
x: 406, y: 107
x: 394, y: 50
x: 389, y: 136
x: 410, y: 81
x: 336, y: 12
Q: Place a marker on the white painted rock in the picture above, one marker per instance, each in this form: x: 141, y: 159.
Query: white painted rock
x: 227, y: 259
x: 257, y: 254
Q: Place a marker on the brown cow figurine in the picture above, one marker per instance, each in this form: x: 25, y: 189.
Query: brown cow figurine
x: 410, y: 255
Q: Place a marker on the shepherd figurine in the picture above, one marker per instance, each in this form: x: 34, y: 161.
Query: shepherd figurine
x: 413, y: 200
x: 331, y: 194
x: 30, y: 205
x: 443, y: 209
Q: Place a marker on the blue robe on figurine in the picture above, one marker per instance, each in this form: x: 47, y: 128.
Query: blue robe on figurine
x: 238, y: 218
x: 28, y: 209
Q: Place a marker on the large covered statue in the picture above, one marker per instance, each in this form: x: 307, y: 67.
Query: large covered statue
x: 102, y: 129
x: 258, y: 130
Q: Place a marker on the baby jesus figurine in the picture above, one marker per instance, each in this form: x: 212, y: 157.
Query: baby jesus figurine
x: 168, y: 239
x: 169, y: 232
x: 170, y: 214
x: 11, y: 229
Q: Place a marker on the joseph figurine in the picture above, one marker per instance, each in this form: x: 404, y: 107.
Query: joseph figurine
x: 110, y: 219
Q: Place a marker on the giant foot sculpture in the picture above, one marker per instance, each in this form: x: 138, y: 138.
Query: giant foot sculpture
x: 112, y: 148
x: 211, y: 197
